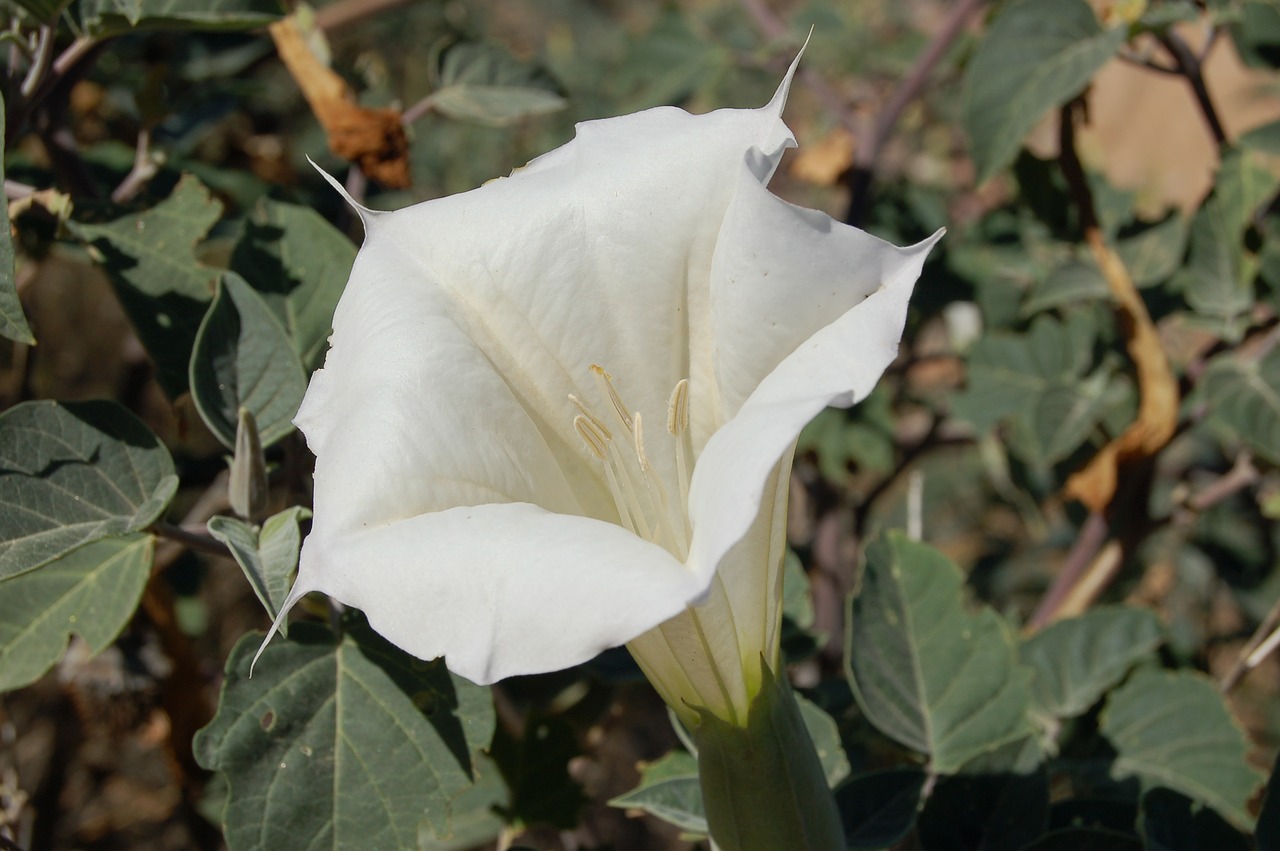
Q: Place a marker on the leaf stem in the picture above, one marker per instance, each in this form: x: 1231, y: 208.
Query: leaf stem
x: 1076, y: 566
x: 190, y: 539
x: 1249, y: 656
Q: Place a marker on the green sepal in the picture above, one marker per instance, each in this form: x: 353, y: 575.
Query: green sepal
x: 763, y: 784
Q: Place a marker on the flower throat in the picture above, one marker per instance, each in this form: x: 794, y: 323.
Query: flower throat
x: 642, y: 500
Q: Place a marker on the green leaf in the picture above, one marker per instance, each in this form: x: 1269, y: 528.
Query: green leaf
x: 267, y: 555
x: 13, y: 323
x: 45, y: 11
x: 75, y: 473
x: 1077, y: 661
x: 925, y: 671
x: 825, y: 734
x: 879, y: 809
x: 1075, y: 281
x: 481, y: 82
x: 104, y: 18
x: 1172, y: 729
x: 860, y: 437
x: 91, y: 592
x: 1172, y: 822
x: 1218, y: 280
x: 669, y: 63
x: 340, y: 742
x: 1064, y: 415
x: 1256, y: 32
x: 797, y: 598
x: 1008, y: 372
x: 243, y: 359
x: 1168, y: 13
x: 474, y: 817
x: 669, y: 790
x: 151, y: 260
x: 1264, y: 138
x: 1155, y: 254
x: 1243, y: 395
x: 1038, y: 54
x: 299, y: 264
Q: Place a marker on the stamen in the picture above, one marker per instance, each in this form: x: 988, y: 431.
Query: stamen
x: 678, y: 408
x: 638, y: 432
x: 607, y: 380
x: 628, y: 489
x: 649, y: 515
x: 586, y: 412
x: 678, y: 425
x: 619, y: 501
x: 595, y: 436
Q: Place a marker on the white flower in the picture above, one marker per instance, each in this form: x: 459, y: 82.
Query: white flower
x: 559, y: 410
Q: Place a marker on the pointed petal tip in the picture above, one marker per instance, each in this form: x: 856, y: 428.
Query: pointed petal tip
x: 926, y: 245
x: 296, y: 594
x: 784, y: 88
x: 366, y: 215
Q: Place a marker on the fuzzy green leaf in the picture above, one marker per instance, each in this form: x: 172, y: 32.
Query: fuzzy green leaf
x: 13, y: 323
x: 1218, y: 278
x: 669, y: 790
x: 298, y: 263
x: 340, y: 742
x: 1172, y: 729
x: 925, y: 670
x: 72, y: 474
x: 243, y: 359
x: 1037, y: 55
x: 150, y: 257
x: 267, y: 555
x: 91, y: 592
x: 1076, y: 661
x: 104, y: 18
x: 1243, y: 395
x: 480, y: 82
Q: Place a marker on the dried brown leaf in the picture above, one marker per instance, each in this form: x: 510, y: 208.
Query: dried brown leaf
x: 373, y: 139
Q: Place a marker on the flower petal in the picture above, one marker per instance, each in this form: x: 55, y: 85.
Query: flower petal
x: 780, y: 274
x: 499, y: 590
x: 469, y: 320
x: 798, y: 256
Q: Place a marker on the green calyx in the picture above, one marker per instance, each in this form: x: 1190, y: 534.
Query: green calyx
x: 762, y: 784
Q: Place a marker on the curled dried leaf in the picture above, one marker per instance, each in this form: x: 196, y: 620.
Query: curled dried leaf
x: 373, y: 139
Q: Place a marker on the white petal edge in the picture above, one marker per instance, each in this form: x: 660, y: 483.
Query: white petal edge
x: 499, y: 590
x: 838, y: 366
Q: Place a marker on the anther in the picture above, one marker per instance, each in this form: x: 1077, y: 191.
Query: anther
x: 618, y: 405
x: 595, y: 421
x: 595, y: 437
x: 678, y: 408
x: 639, y: 435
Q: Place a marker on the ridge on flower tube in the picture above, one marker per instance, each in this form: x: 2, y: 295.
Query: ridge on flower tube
x: 558, y: 411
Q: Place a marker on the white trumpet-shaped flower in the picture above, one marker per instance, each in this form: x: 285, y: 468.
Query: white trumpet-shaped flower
x: 558, y: 411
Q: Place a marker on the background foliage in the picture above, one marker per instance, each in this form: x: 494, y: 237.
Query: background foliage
x: 1033, y: 592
